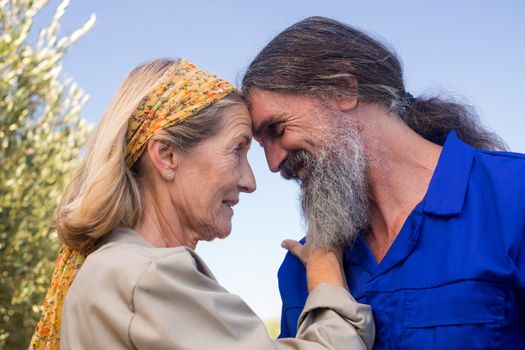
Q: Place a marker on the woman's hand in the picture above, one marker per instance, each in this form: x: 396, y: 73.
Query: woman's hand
x: 322, y: 265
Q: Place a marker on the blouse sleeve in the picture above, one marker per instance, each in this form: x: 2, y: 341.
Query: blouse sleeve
x: 177, y: 305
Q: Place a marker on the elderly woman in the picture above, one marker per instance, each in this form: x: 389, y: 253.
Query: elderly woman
x: 164, y: 170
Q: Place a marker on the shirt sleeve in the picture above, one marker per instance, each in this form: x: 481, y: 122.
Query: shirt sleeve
x: 178, y: 306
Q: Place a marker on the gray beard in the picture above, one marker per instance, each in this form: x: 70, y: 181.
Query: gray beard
x: 334, y: 198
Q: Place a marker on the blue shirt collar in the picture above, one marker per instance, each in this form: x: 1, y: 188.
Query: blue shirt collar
x: 448, y: 186
x: 445, y: 196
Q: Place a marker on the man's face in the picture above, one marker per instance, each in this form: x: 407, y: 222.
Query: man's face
x: 284, y: 124
x: 320, y: 147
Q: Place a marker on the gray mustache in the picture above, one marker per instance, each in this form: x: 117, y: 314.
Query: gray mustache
x: 293, y: 163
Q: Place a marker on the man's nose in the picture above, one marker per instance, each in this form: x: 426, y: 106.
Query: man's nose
x: 275, y: 155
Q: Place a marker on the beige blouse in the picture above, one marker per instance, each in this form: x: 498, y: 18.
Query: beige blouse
x: 131, y: 295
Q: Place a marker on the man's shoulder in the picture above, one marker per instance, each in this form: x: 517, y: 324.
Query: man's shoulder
x: 502, y: 175
x: 292, y: 280
x: 502, y: 155
x: 291, y: 266
x: 501, y: 165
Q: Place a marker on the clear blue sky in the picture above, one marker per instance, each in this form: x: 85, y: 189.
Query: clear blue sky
x: 471, y: 49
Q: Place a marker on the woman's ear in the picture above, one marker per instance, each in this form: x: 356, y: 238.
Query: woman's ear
x: 163, y: 158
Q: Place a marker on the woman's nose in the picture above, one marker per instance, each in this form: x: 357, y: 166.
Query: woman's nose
x: 247, y: 180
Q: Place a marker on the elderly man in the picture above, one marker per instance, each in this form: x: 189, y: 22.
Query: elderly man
x: 429, y: 207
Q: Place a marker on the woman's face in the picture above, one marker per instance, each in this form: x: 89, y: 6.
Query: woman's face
x: 210, y: 177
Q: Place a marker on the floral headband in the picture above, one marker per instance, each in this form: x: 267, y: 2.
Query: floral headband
x: 184, y: 91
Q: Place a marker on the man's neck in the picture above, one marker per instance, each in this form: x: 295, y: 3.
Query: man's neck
x: 400, y: 166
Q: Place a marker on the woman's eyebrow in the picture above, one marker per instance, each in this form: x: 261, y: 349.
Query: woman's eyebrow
x: 246, y: 140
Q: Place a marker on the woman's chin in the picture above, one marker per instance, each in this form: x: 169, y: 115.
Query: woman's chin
x: 224, y: 234
x: 218, y: 233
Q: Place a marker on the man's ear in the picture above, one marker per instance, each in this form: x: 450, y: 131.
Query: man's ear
x: 163, y: 158
x: 347, y: 102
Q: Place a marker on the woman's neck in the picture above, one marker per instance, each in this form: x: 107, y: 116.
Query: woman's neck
x: 160, y: 225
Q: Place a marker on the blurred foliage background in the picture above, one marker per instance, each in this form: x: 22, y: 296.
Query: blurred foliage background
x: 41, y: 135
x: 273, y: 327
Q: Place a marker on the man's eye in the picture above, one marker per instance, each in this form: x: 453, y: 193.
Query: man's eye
x: 277, y: 129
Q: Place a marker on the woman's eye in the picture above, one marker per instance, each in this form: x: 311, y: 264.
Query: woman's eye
x: 238, y: 150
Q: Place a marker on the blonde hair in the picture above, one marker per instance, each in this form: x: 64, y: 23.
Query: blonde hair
x: 104, y: 191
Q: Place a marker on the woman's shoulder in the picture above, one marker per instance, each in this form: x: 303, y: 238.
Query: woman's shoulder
x: 124, y: 256
x: 103, y: 293
x: 120, y: 245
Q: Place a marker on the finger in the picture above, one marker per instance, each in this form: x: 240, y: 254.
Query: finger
x: 293, y: 247
x: 288, y: 244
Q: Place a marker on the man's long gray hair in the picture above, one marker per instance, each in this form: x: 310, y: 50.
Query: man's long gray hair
x: 317, y: 56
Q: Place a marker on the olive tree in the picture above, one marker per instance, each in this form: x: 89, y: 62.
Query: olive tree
x: 41, y: 135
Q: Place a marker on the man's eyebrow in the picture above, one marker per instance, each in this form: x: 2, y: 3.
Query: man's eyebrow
x: 259, y: 130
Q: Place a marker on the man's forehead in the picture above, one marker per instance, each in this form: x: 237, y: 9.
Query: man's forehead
x: 269, y: 107
x: 263, y: 106
x: 267, y: 100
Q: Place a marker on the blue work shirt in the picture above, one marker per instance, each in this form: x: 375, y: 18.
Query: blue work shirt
x: 454, y: 278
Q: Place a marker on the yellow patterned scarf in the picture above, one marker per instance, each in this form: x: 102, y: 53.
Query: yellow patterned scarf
x: 47, y: 333
x: 183, y: 91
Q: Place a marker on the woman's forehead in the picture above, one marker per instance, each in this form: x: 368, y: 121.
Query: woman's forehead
x: 237, y: 119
